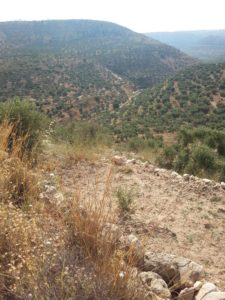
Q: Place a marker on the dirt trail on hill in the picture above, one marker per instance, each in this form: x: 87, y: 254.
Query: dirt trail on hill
x: 171, y: 215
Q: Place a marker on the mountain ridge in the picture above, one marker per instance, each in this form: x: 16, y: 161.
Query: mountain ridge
x: 206, y: 45
x: 59, y: 49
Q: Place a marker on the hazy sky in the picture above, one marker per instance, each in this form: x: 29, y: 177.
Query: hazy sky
x: 139, y: 15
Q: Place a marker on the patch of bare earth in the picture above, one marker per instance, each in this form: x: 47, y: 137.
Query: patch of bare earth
x: 185, y: 218
x: 216, y: 100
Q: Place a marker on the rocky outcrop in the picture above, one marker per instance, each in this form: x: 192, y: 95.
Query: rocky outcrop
x: 154, y: 283
x: 177, y: 270
x: 210, y: 292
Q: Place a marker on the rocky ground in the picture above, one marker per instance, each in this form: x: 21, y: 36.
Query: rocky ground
x: 179, y: 215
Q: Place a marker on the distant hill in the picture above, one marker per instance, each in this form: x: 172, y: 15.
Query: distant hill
x: 75, y: 68
x: 194, y: 97
x: 207, y: 45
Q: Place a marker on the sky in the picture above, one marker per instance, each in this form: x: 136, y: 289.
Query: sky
x: 138, y: 15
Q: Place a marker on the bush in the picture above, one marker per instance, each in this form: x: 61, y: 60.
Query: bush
x: 28, y: 123
x: 125, y: 199
x: 167, y: 158
x: 136, y: 144
x: 201, y: 158
x: 181, y: 160
x: 199, y: 151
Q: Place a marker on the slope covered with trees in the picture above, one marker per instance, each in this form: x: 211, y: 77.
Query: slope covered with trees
x: 193, y: 97
x: 80, y: 67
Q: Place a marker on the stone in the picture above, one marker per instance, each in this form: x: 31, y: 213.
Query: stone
x: 186, y: 177
x: 198, y: 285
x: 145, y: 164
x: 174, y: 174
x: 158, y: 170
x: 132, y: 240
x: 216, y: 186
x: 206, y: 180
x: 221, y: 209
x: 154, y: 282
x: 187, y: 294
x: 160, y: 288
x: 131, y: 161
x: 222, y: 184
x: 43, y: 196
x: 190, y: 272
x: 118, y: 160
x: 178, y: 270
x: 214, y: 296
x: 163, y: 264
x: 206, y: 289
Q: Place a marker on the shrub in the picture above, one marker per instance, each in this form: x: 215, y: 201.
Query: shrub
x: 201, y: 158
x: 135, y: 144
x: 125, y: 199
x: 28, y: 123
x: 199, y: 151
x: 181, y: 160
x: 221, y: 144
x: 167, y: 158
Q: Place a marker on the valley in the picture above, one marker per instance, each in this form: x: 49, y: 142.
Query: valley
x: 78, y: 68
x: 112, y: 162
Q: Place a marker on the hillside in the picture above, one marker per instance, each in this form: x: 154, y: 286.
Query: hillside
x: 79, y: 220
x: 195, y: 97
x: 207, y: 45
x: 76, y: 68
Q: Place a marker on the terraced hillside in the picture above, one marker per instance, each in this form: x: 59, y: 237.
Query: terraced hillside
x: 76, y: 68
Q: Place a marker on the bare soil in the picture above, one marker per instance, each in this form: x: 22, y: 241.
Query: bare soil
x: 185, y: 218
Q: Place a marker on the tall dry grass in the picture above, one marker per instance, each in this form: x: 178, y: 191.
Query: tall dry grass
x: 50, y: 252
x: 18, y: 182
x: 92, y: 229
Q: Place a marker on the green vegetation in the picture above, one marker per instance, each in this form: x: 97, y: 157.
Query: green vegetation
x: 82, y: 133
x: 78, y: 68
x: 27, y: 124
x: 125, y: 199
x: 194, y: 96
x: 199, y: 151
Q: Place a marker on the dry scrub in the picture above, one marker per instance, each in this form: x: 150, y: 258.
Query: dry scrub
x: 51, y: 252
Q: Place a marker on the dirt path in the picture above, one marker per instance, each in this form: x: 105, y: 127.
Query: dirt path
x: 171, y: 214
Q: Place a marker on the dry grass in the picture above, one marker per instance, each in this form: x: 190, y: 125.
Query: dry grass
x: 75, y: 153
x: 50, y: 252
x: 18, y: 183
x: 92, y: 229
x: 150, y: 155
